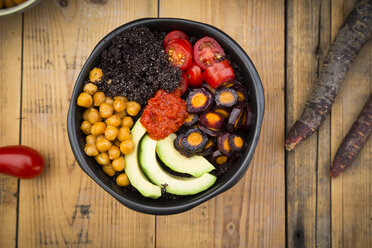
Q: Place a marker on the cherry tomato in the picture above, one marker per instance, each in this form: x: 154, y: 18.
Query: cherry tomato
x: 218, y: 74
x: 179, y: 54
x: 194, y: 75
x: 173, y: 35
x: 21, y: 162
x: 207, y: 52
x: 184, y: 84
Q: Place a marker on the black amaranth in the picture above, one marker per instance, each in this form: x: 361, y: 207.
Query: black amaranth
x: 135, y: 65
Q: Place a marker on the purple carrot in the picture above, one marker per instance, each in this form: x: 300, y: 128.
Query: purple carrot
x: 355, y: 31
x: 354, y: 141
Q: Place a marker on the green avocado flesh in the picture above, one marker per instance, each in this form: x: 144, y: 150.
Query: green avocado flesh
x: 175, y: 184
x: 133, y: 170
x: 195, y: 165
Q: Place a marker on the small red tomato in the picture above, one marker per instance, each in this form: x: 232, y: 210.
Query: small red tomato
x: 173, y: 35
x: 21, y: 161
x: 207, y: 52
x: 194, y: 75
x: 218, y: 74
x: 179, y: 54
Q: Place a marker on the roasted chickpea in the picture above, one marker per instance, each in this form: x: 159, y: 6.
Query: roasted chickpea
x: 101, y: 136
x: 118, y: 164
x: 102, y: 158
x: 113, y: 120
x: 124, y: 98
x: 121, y: 114
x: 133, y: 108
x: 91, y: 150
x: 86, y: 127
x: 108, y: 170
x: 91, y: 140
x: 105, y: 110
x: 90, y: 88
x: 99, y: 98
x: 127, y: 122
x: 98, y: 128
x: 95, y: 75
x: 114, y: 152
x: 122, y: 180
x: 111, y: 133
x: 126, y: 147
x: 124, y: 134
x: 94, y: 116
x: 103, y: 145
x: 109, y: 100
x: 84, y: 100
x: 85, y: 114
x: 119, y: 105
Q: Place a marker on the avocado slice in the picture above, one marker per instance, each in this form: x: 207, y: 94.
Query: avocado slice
x: 195, y: 165
x: 175, y: 184
x: 133, y: 170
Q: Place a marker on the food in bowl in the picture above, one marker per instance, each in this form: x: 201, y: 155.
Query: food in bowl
x: 193, y: 112
x: 10, y: 3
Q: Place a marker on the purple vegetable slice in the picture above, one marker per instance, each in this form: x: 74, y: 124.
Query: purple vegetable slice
x: 236, y: 114
x: 236, y: 142
x: 194, y: 140
x: 199, y: 100
x: 226, y: 97
x: 211, y: 132
x: 218, y: 158
x: 224, y: 145
x: 191, y: 119
x: 225, y: 111
x: 212, y: 120
x: 179, y: 148
x: 209, y: 147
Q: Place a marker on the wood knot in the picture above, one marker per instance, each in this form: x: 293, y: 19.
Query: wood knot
x: 97, y: 1
x: 63, y: 3
x: 230, y: 228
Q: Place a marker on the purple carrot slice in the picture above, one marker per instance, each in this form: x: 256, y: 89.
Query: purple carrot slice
x: 354, y: 141
x: 354, y: 33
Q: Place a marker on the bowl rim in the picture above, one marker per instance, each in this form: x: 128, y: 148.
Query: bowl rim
x: 167, y: 210
x: 18, y: 8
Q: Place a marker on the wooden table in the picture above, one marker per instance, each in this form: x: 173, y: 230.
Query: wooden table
x: 285, y: 199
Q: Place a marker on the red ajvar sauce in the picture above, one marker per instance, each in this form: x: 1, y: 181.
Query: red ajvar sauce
x: 164, y: 114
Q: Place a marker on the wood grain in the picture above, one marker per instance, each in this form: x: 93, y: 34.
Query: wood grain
x: 10, y: 100
x: 64, y: 207
x: 252, y: 213
x: 308, y: 183
x: 352, y: 190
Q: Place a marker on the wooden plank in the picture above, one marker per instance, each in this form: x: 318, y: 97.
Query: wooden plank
x: 252, y: 214
x: 10, y: 89
x: 64, y: 207
x: 308, y: 183
x: 352, y: 190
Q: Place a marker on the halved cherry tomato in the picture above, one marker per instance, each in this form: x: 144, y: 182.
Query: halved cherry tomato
x: 184, y: 84
x: 194, y: 75
x: 173, y: 35
x: 21, y: 162
x: 218, y: 74
x: 207, y: 52
x: 179, y: 54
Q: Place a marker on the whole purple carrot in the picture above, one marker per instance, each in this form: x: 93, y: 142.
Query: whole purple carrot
x: 355, y: 31
x: 354, y: 141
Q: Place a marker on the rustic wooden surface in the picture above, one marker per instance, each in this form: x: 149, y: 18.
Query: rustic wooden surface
x: 285, y: 199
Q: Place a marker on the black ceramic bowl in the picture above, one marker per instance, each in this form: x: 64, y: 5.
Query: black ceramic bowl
x: 162, y: 206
